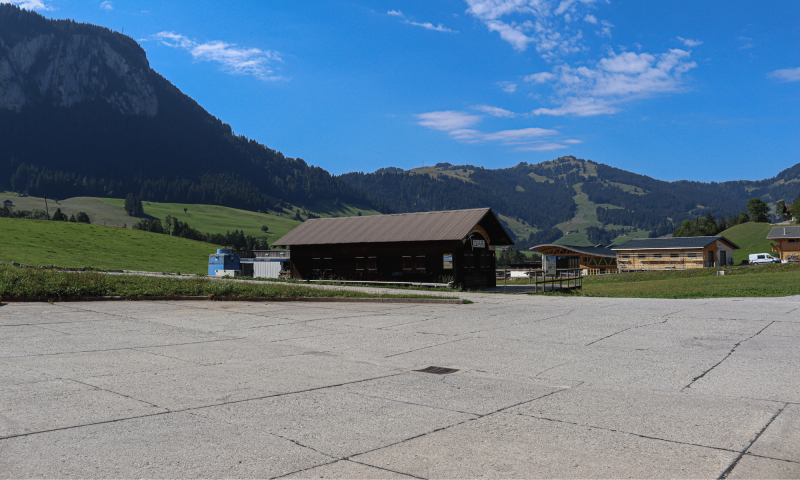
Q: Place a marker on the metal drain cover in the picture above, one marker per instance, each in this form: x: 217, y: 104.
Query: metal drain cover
x: 437, y: 370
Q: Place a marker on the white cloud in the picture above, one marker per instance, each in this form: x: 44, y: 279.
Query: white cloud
x: 545, y: 24
x: 507, y: 87
x: 616, y: 78
x: 494, y: 111
x: 689, y: 42
x: 511, y: 137
x: 605, y: 30
x: 786, y: 75
x: 748, y: 43
x: 541, y: 147
x: 456, y: 125
x: 447, y: 121
x: 540, y: 77
x: 573, y: 141
x: 237, y: 61
x: 579, y: 107
x: 430, y: 26
x: 107, y: 5
x: 395, y: 13
x: 30, y: 4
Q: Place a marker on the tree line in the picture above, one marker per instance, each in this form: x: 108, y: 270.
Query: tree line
x: 177, y: 228
x: 37, y: 214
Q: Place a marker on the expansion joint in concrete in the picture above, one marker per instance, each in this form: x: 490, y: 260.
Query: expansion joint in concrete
x: 736, y: 461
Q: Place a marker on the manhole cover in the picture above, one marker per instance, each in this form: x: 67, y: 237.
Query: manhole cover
x: 437, y: 370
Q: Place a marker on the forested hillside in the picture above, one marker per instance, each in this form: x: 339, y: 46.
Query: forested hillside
x: 552, y: 193
x: 83, y: 114
x: 503, y: 190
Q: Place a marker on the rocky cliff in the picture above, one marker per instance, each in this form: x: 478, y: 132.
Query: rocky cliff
x: 65, y: 69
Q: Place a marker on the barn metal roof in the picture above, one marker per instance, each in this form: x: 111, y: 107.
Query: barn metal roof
x: 593, y: 251
x: 783, y: 232
x: 671, y: 243
x: 403, y: 227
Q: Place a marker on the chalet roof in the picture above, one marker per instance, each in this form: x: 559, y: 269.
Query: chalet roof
x: 592, y: 251
x: 672, y: 243
x: 403, y: 227
x: 783, y: 232
x: 8, y: 202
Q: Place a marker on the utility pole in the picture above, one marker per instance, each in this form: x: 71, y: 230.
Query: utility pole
x: 45, y: 207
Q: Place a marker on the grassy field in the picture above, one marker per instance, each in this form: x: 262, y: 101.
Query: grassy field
x: 52, y: 284
x: 751, y: 238
x: 205, y: 218
x: 65, y: 244
x: 746, y: 281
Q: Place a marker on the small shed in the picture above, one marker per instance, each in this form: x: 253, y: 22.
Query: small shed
x: 8, y: 203
x: 593, y: 260
x: 676, y: 253
x: 788, y: 241
x: 432, y: 247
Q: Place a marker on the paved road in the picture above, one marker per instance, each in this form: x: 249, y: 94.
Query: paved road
x: 546, y: 387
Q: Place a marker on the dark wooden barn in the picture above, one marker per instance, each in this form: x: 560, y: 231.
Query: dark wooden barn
x: 436, y: 247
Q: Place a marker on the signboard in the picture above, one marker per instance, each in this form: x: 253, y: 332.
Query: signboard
x: 448, y: 261
x: 550, y: 264
x: 478, y: 243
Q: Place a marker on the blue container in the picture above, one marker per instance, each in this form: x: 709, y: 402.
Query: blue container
x: 224, y: 259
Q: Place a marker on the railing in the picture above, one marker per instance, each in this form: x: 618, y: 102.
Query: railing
x: 573, y: 277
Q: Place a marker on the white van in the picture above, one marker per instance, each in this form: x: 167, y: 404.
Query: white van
x: 762, y: 259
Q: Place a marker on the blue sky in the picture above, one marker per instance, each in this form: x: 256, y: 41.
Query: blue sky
x: 700, y: 90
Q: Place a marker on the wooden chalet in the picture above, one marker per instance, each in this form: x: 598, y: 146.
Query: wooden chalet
x: 595, y: 260
x: 788, y: 242
x: 677, y: 253
x: 437, y: 247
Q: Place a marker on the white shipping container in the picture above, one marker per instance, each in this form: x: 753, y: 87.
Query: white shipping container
x: 266, y: 269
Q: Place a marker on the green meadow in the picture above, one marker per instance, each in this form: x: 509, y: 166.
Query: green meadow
x: 205, y: 218
x: 751, y: 238
x: 77, y: 245
x: 746, y: 281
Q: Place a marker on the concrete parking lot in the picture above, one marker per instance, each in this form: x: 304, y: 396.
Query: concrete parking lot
x: 545, y: 387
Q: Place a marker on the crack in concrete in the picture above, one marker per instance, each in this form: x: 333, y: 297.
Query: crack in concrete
x: 625, y: 330
x: 477, y: 417
x: 188, y: 409
x: 167, y: 410
x: 119, y: 349
x: 625, y: 432
x: 726, y: 357
x: 429, y: 346
x: 736, y: 461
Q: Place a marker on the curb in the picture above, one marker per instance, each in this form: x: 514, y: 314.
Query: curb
x: 440, y: 301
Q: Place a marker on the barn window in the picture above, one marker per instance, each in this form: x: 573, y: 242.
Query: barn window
x: 642, y: 256
x: 361, y: 264
x: 420, y: 264
x: 372, y: 264
x: 674, y: 255
x: 408, y: 263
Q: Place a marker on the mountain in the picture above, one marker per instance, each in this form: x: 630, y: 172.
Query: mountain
x: 546, y: 201
x: 83, y: 114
